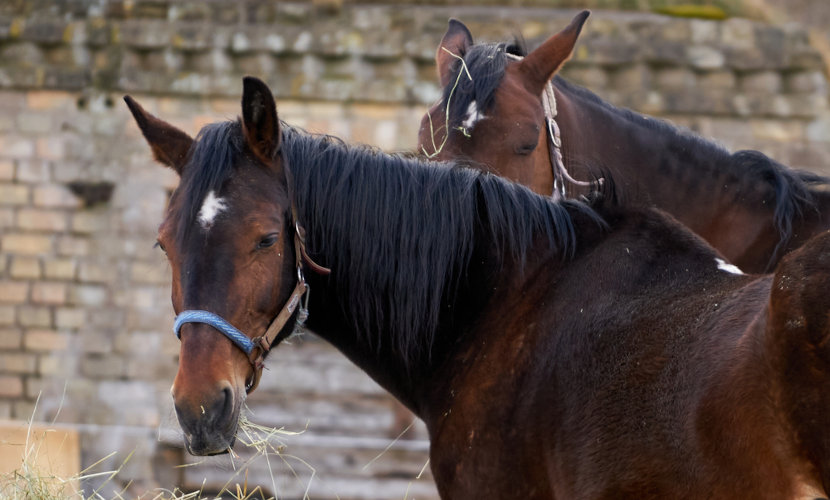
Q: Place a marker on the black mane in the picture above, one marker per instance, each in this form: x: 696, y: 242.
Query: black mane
x: 399, y: 232
x: 485, y: 64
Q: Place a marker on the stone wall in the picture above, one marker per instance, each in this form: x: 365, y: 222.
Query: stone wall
x: 84, y: 298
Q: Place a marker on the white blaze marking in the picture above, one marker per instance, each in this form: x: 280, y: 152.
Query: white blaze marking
x: 729, y: 268
x: 473, y: 116
x: 211, y: 207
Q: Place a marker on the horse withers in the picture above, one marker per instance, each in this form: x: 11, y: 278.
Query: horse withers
x: 505, y: 111
x: 553, y: 349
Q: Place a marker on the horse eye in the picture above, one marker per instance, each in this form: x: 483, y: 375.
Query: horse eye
x: 268, y: 241
x: 159, y: 245
x: 525, y: 149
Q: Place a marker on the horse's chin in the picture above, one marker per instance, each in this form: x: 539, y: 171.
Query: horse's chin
x: 205, y: 444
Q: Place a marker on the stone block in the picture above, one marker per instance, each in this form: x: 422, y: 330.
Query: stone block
x: 23, y: 267
x: 88, y: 295
x: 55, y: 196
x: 11, y: 338
x: 57, y: 268
x: 73, y: 246
x: 15, y: 146
x: 14, y: 292
x: 150, y: 272
x: 8, y: 315
x: 17, y: 362
x: 32, y: 171
x: 46, y: 292
x: 91, y: 221
x: 95, y: 341
x: 70, y: 318
x: 59, y: 364
x: 50, y: 148
x: 90, y: 272
x: 34, y: 316
x: 762, y: 81
x: 42, y: 220
x: 718, y: 79
x: 806, y: 82
x: 6, y: 170
x: 675, y: 79
x: 45, y: 31
x: 43, y: 340
x: 6, y: 219
x: 145, y: 34
x: 34, y: 123
x: 48, y: 100
x: 14, y: 194
x: 635, y: 76
x: 26, y: 244
x: 11, y: 386
x: 95, y: 366
x: 705, y: 57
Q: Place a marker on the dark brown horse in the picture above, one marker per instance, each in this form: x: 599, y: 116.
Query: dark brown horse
x: 746, y: 205
x: 554, y: 349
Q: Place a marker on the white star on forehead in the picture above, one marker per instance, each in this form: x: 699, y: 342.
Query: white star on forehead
x: 211, y: 207
x: 473, y: 116
x: 729, y: 268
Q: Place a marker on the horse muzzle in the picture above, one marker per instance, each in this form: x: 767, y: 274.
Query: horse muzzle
x: 210, y: 426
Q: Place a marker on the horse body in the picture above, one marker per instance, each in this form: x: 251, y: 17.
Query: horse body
x: 554, y: 350
x: 750, y: 208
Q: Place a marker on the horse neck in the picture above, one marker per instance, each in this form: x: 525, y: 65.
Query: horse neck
x: 657, y: 165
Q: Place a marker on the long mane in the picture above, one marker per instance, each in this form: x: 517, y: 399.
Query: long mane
x: 398, y: 233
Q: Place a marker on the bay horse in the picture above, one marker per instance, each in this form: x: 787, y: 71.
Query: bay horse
x: 554, y: 349
x: 499, y: 101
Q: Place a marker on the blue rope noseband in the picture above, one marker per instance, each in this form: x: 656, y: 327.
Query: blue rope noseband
x: 197, y: 316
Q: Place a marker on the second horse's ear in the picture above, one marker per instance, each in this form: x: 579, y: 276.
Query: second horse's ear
x: 259, y: 119
x: 543, y: 63
x: 170, y: 145
x: 455, y: 43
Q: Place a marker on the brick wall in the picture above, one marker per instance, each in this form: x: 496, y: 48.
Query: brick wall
x: 84, y: 298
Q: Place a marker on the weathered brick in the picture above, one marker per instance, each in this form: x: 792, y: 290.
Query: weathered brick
x: 90, y: 272
x: 14, y: 146
x: 44, y: 292
x: 51, y: 148
x: 73, y: 246
x: 11, y: 338
x: 45, y: 340
x: 23, y: 410
x: 55, y: 268
x: 8, y: 315
x: 14, y: 292
x: 50, y: 100
x: 34, y: 123
x: 95, y: 341
x: 55, y: 196
x: 57, y: 364
x: 762, y: 81
x: 88, y: 295
x: 68, y: 318
x: 25, y: 267
x: 96, y: 366
x: 32, y: 171
x: 14, y: 194
x: 6, y: 219
x: 27, y: 244
x: 36, y: 387
x: 34, y: 316
x: 91, y: 221
x: 11, y: 386
x: 42, y: 220
x: 6, y: 170
x: 150, y: 272
x: 17, y: 362
x: 5, y: 410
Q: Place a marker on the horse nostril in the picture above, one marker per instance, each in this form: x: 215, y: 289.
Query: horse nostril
x: 226, y: 408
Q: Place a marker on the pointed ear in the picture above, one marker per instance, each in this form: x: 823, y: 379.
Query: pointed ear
x: 170, y: 145
x: 456, y: 41
x: 543, y: 63
x: 259, y: 119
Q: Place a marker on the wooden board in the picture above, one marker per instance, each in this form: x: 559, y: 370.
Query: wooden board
x: 51, y: 453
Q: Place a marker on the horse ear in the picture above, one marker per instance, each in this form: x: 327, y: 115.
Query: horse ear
x: 455, y: 43
x: 259, y: 119
x: 541, y: 64
x: 170, y: 145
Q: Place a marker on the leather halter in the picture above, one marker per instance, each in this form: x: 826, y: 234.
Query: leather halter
x: 258, y: 347
x: 560, y: 173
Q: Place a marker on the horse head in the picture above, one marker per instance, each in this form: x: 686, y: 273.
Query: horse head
x: 492, y: 109
x: 228, y: 236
